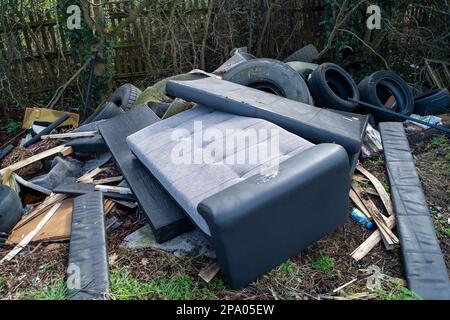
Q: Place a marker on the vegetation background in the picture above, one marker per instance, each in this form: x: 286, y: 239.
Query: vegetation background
x: 142, y: 41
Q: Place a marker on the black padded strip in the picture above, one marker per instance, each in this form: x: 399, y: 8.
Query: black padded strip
x: 88, y: 253
x: 425, y: 267
x: 166, y: 218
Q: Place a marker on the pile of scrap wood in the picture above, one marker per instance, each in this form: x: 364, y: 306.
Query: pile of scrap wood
x: 385, y: 223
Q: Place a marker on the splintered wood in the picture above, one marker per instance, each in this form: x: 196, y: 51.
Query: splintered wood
x: 366, y: 206
x: 63, y: 150
x: 57, y: 228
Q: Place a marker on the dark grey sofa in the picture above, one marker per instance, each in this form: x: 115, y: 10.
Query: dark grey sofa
x: 255, y: 218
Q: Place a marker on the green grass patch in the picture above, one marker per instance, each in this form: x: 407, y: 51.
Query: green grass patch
x: 125, y: 286
x: 374, y: 162
x: 442, y: 223
x: 48, y: 266
x: 440, y: 141
x: 324, y: 264
x: 2, y: 283
x: 55, y: 291
x: 397, y: 292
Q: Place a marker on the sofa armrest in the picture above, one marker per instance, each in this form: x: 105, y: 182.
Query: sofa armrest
x: 263, y: 221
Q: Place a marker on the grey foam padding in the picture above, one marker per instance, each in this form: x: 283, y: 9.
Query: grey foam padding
x: 88, y: 252
x: 63, y: 168
x: 166, y: 218
x: 191, y: 182
x: 70, y: 187
x: 313, y: 124
x: 425, y: 267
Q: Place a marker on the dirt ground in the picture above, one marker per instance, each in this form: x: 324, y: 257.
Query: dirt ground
x: 313, y: 274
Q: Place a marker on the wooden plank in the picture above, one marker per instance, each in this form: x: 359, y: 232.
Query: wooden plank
x: 57, y: 228
x: 40, y: 208
x: 385, y: 197
x: 371, y: 241
x: 379, y: 219
x: 63, y: 150
x: 121, y: 190
x: 108, y: 180
x: 359, y: 204
x: 69, y: 135
x: 26, y: 240
x: 89, y: 176
x: 209, y: 272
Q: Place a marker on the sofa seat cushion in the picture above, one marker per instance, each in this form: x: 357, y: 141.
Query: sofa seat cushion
x: 200, y: 152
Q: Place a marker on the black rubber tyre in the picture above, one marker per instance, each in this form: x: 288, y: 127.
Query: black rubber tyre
x: 125, y: 96
x: 105, y: 111
x: 432, y: 102
x: 10, y: 209
x: 331, y: 87
x: 378, y: 87
x: 308, y: 53
x: 303, y: 68
x: 271, y: 76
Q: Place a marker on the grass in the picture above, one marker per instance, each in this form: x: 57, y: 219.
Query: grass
x: 125, y: 286
x: 55, y: 291
x: 324, y: 264
x: 48, y: 266
x: 375, y: 161
x: 440, y: 141
x: 442, y: 223
x: 396, y: 292
x: 2, y: 283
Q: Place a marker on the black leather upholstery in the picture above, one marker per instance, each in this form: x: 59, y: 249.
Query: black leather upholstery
x: 263, y: 221
x: 425, y: 267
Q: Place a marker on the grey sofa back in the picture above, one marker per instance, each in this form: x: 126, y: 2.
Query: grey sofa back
x: 314, y: 124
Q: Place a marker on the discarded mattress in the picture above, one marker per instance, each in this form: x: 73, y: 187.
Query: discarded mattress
x: 193, y: 181
x: 88, y: 275
x: 164, y: 215
x: 425, y: 267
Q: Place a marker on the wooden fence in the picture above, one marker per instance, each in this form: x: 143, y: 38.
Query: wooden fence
x: 167, y: 37
x: 164, y: 37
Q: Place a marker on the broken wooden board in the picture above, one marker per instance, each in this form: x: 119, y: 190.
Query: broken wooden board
x: 40, y: 208
x: 26, y: 239
x: 377, y: 216
x: 69, y: 135
x: 359, y: 204
x: 58, y: 228
x: 385, y: 197
x: 371, y: 241
x: 63, y: 150
x: 209, y: 272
